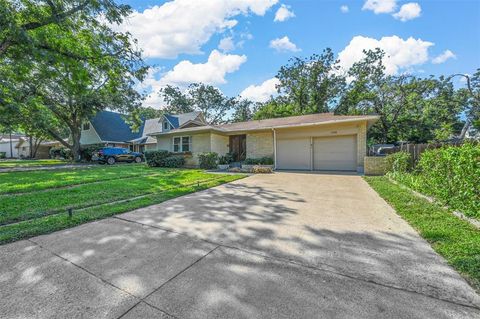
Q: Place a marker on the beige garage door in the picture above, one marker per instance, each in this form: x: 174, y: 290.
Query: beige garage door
x: 293, y: 153
x: 335, y: 153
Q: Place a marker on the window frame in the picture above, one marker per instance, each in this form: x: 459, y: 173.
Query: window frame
x: 181, y: 144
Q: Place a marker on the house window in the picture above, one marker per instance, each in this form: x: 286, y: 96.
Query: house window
x: 86, y: 126
x: 182, y: 144
x: 166, y: 126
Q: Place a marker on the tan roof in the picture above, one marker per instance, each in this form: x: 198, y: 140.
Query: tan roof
x: 292, y: 121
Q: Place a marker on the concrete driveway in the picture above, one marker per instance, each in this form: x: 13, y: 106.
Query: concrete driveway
x: 286, y: 245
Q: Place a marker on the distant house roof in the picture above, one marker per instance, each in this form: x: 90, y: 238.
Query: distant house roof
x: 177, y: 120
x: 111, y: 126
x: 283, y: 122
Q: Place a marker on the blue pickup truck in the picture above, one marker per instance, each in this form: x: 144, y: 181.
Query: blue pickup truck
x: 111, y: 155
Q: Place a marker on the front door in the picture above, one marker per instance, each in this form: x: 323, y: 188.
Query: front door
x: 238, y: 147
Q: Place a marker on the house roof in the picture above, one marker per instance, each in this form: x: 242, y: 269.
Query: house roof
x: 283, y: 122
x: 178, y: 120
x: 111, y: 126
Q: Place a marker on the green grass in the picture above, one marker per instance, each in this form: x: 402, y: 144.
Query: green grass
x: 30, y: 163
x: 92, y: 194
x: 456, y: 240
x: 16, y: 182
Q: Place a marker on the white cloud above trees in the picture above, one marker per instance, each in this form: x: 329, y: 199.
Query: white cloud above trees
x: 408, y: 11
x: 262, y: 92
x: 183, y: 26
x: 380, y: 6
x: 344, y: 9
x: 442, y: 58
x: 283, y: 13
x: 212, y: 72
x: 284, y: 45
x: 399, y: 53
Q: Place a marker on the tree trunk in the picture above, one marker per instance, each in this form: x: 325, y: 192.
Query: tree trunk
x: 36, y: 145
x: 465, y: 128
x: 76, y: 145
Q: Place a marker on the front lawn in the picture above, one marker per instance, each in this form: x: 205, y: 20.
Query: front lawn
x: 456, y: 240
x: 36, y: 202
x: 30, y: 163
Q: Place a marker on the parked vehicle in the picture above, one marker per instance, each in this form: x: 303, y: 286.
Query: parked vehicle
x: 111, y: 155
x: 382, y: 149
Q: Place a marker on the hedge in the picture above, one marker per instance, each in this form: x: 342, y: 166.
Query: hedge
x: 208, y: 160
x: 60, y: 152
x: 267, y: 160
x: 164, y: 159
x: 450, y: 174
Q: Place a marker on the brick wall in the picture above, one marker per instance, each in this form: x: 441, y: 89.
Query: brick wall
x: 259, y: 144
x: 374, y: 165
x: 361, y: 146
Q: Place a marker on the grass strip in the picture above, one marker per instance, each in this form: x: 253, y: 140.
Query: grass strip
x: 30, y: 163
x: 48, y: 224
x: 15, y: 208
x: 19, y: 182
x: 456, y: 240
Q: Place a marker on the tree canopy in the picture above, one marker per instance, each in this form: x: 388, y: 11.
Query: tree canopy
x: 62, y: 58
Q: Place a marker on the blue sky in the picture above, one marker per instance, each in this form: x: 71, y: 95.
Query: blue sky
x: 181, y: 38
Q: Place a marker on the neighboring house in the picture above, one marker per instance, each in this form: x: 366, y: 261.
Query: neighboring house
x: 21, y: 147
x: 10, y: 152
x: 309, y: 142
x: 109, y: 129
x: 43, y: 150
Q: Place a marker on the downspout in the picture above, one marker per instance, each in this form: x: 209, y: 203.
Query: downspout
x: 274, y: 149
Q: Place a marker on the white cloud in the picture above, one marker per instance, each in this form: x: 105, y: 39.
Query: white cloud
x: 408, y: 11
x: 183, y: 26
x: 399, y: 53
x: 262, y: 92
x: 344, y: 9
x: 380, y: 6
x: 283, y: 13
x: 283, y: 44
x: 447, y: 54
x: 211, y: 72
x: 226, y: 44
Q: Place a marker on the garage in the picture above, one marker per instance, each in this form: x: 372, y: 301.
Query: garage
x: 318, y: 153
x: 294, y: 153
x: 335, y: 153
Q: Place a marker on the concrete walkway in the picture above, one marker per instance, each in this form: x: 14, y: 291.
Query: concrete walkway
x: 286, y: 245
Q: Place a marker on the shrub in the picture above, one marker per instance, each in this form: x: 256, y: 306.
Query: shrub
x: 400, y: 162
x: 87, y: 151
x: 174, y: 161
x: 208, y: 160
x: 261, y: 170
x: 452, y: 175
x: 62, y: 152
x: 267, y: 160
x: 156, y: 158
x: 223, y: 160
x: 3, y: 154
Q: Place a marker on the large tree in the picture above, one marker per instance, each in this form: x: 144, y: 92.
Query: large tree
x: 472, y: 106
x: 61, y: 55
x: 311, y: 85
x: 198, y: 97
x: 410, y: 108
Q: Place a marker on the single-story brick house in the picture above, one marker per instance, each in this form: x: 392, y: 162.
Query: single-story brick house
x: 321, y: 141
